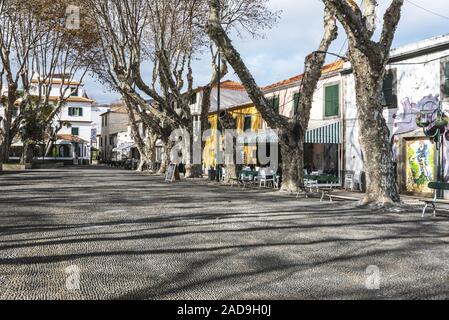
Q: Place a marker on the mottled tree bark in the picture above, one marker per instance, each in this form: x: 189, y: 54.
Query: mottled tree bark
x: 369, y: 60
x: 375, y: 141
x: 166, y: 157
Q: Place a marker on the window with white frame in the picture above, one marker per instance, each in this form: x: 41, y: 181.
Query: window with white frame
x: 75, y: 112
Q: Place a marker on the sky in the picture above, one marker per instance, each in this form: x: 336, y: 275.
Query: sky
x: 280, y: 53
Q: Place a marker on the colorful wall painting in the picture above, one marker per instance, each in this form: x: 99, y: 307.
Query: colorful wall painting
x: 420, y: 165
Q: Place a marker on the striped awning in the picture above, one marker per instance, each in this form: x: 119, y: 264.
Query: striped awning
x: 324, y: 133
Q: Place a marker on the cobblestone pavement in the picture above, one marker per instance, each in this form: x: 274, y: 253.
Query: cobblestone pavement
x: 135, y: 236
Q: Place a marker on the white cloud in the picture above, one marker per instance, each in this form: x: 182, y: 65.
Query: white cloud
x: 281, y: 54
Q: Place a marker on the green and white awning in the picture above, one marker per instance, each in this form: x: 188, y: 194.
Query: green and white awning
x: 319, y: 132
x: 324, y: 132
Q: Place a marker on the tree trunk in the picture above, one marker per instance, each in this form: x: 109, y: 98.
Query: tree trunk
x: 148, y: 153
x: 369, y: 59
x: 192, y: 170
x: 27, y: 153
x: 374, y: 136
x: 166, y: 157
x: 7, y: 139
x: 292, y: 154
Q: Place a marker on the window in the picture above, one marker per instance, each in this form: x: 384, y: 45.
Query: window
x: 75, y: 112
x: 247, y: 123
x: 332, y: 101
x: 111, y: 140
x: 193, y: 98
x: 445, y: 80
x: 389, y: 96
x: 274, y: 103
x: 74, y: 92
x: 75, y: 131
x: 14, y: 112
x: 296, y: 98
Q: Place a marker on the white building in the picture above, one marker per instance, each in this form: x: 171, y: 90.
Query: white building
x: 80, y: 117
x: 115, y: 133
x: 417, y: 79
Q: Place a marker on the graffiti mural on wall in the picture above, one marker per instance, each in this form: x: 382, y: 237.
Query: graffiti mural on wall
x: 405, y: 117
x: 405, y: 121
x: 420, y: 165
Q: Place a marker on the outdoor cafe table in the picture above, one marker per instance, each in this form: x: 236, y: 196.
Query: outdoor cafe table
x: 323, y: 179
x: 249, y: 173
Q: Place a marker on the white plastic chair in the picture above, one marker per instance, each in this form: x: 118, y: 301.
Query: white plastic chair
x: 223, y: 174
x: 265, y: 178
x: 349, y: 181
x: 311, y: 184
x: 357, y: 180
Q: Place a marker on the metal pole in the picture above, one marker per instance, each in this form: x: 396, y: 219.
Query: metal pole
x: 218, y: 137
x: 441, y: 164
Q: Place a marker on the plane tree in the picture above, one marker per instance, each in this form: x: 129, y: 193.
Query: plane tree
x: 291, y: 130
x: 369, y: 58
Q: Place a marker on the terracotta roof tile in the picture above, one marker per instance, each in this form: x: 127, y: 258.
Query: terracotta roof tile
x: 227, y: 85
x: 232, y: 85
x: 70, y: 137
x: 326, y: 69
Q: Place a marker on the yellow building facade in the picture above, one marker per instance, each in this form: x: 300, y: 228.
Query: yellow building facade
x: 242, y: 115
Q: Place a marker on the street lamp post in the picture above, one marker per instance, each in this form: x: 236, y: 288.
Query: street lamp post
x: 218, y: 137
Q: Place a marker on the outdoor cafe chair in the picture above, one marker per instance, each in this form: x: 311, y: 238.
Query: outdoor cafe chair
x: 311, y: 185
x: 357, y: 180
x: 223, y: 174
x: 349, y: 181
x: 265, y: 178
x: 246, y: 179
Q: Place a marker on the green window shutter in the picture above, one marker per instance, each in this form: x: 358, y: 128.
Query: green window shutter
x: 70, y: 111
x: 75, y: 131
x: 387, y: 91
x: 446, y: 87
x: 446, y: 80
x: 332, y: 101
x: 247, y: 123
x: 80, y: 112
x: 193, y: 98
x: 274, y: 103
x: 296, y: 99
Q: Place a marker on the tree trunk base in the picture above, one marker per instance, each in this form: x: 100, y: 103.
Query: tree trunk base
x: 384, y: 205
x: 292, y: 189
x: 194, y: 171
